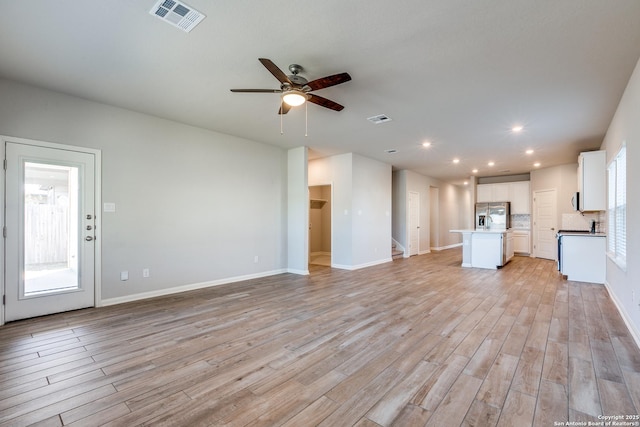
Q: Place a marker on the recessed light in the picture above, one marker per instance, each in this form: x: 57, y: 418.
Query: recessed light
x: 536, y: 164
x: 426, y: 144
x: 474, y: 171
x: 529, y: 151
x: 456, y: 160
x: 517, y: 129
x: 491, y: 164
x: 466, y: 183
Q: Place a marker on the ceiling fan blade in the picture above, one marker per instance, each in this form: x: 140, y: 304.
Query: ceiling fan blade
x: 324, y: 102
x: 273, y: 69
x: 257, y: 90
x: 328, y: 81
x: 284, y: 108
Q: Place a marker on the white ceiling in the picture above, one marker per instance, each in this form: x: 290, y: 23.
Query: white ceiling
x: 457, y: 73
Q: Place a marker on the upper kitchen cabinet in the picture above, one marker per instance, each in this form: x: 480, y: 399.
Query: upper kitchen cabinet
x: 518, y: 193
x: 592, y: 178
x: 492, y: 193
x: 519, y: 196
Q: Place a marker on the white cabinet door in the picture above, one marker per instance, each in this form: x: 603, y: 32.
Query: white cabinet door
x: 584, y: 258
x: 520, y: 196
x: 486, y: 250
x: 500, y: 192
x: 521, y: 242
x: 483, y: 193
x: 592, y: 180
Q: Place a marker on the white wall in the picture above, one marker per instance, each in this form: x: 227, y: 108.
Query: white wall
x: 564, y: 179
x: 624, y: 285
x: 455, y: 209
x: 361, y: 223
x: 192, y: 205
x: 297, y: 211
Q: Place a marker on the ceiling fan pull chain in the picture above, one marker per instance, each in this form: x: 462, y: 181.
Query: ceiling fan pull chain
x: 281, y: 111
x: 306, y: 121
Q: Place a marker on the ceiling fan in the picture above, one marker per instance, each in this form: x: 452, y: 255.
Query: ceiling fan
x: 296, y: 90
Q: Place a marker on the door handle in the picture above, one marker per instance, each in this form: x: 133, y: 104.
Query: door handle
x: 88, y: 238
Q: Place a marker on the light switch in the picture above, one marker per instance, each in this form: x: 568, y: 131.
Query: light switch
x: 109, y: 207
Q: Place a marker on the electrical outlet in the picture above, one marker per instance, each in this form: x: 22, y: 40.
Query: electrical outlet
x: 124, y: 275
x: 145, y: 272
x: 255, y: 259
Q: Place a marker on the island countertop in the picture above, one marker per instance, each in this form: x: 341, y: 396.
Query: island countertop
x: 480, y: 231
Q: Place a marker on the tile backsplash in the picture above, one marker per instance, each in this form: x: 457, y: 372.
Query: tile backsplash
x: 521, y: 221
x: 579, y: 221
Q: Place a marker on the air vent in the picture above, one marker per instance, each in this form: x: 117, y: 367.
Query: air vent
x: 177, y: 14
x: 380, y: 118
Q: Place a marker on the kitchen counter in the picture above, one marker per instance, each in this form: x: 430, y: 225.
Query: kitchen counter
x: 581, y: 233
x: 486, y: 248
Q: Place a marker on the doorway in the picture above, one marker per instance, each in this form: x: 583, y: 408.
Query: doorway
x: 51, y: 228
x: 320, y: 225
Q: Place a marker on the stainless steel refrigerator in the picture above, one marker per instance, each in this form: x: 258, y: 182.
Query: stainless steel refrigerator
x: 493, y: 216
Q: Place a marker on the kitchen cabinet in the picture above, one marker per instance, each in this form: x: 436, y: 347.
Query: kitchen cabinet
x: 492, y: 192
x: 518, y: 193
x: 583, y: 257
x: 520, y: 196
x: 592, y: 179
x: 484, y: 193
x: 521, y: 242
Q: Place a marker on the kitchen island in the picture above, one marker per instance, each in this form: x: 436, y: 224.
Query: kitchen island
x: 486, y: 248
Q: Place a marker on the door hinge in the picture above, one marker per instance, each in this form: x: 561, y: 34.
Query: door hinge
x: 4, y: 231
x: 4, y: 164
x: 4, y: 300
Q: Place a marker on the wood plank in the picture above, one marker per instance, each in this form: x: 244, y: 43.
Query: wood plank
x: 615, y: 398
x: 584, y: 388
x: 456, y: 402
x: 556, y: 363
x: 519, y: 409
x: 496, y: 386
x: 552, y: 405
x: 528, y: 373
x: 391, y: 343
x: 481, y: 414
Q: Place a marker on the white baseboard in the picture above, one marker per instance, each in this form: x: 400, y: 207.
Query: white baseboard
x: 442, y: 248
x: 184, y: 288
x: 359, y: 266
x: 635, y: 334
x: 300, y: 272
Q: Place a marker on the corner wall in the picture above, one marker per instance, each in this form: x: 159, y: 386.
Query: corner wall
x: 361, y: 223
x: 624, y: 286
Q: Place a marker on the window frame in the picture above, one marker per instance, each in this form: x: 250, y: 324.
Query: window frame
x: 617, y: 209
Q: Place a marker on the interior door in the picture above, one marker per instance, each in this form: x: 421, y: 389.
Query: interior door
x: 414, y: 223
x: 545, y: 244
x: 50, y: 230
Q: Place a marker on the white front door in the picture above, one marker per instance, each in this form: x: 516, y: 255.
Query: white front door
x: 414, y: 223
x: 50, y: 230
x: 545, y: 244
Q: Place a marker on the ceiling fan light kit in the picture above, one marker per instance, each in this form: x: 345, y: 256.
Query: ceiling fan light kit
x: 294, y: 97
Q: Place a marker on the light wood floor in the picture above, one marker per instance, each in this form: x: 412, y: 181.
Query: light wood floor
x: 415, y: 342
